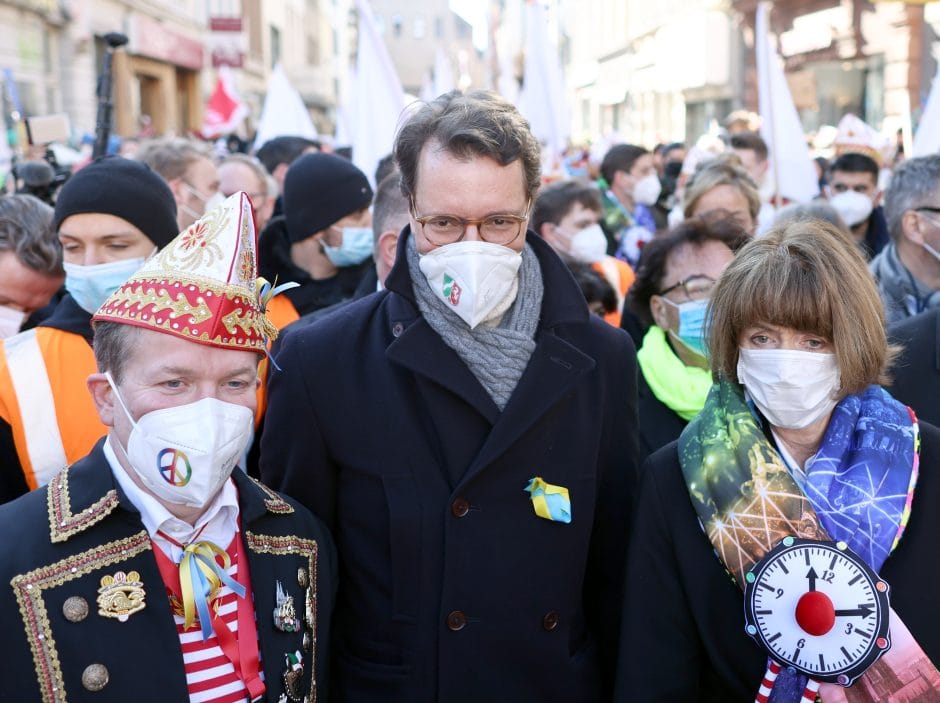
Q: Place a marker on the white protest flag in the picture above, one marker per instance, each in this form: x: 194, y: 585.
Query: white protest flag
x: 345, y: 110
x: 790, y: 162
x: 378, y: 97
x: 927, y: 138
x: 542, y: 99
x: 284, y: 113
x: 443, y: 73
x: 427, y: 93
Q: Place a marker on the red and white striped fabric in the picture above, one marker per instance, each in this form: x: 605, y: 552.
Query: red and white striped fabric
x: 210, y: 676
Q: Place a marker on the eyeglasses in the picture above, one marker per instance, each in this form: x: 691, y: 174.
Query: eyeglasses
x: 503, y: 228
x: 695, y: 287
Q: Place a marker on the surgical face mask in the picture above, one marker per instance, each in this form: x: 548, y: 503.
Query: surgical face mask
x: 854, y: 208
x: 647, y: 190
x: 691, y: 332
x: 356, y: 247
x: 11, y: 320
x: 474, y: 279
x: 90, y: 286
x: 792, y: 389
x: 588, y: 245
x: 184, y: 454
x: 208, y: 203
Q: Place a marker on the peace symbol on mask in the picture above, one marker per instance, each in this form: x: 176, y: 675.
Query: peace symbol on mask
x: 174, y: 467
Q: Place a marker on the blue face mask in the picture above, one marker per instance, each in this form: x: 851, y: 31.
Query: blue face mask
x: 356, y: 247
x: 691, y: 325
x: 90, y: 286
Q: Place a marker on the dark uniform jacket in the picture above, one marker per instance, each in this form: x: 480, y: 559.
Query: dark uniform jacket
x: 61, y: 540
x: 916, y: 371
x: 686, y: 616
x: 659, y: 424
x: 453, y: 589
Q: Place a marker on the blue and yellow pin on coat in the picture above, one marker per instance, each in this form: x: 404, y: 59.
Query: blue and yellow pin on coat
x: 549, y: 501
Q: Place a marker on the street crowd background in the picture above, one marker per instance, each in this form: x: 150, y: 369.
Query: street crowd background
x: 671, y: 138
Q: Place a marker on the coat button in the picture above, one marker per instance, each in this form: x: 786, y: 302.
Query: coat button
x: 75, y: 609
x: 95, y: 677
x: 456, y: 620
x: 460, y: 507
x: 550, y: 621
x: 397, y: 329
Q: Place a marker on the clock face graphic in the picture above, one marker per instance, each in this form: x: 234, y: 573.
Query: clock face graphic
x: 819, y: 608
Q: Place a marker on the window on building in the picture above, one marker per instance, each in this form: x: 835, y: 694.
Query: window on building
x: 439, y: 27
x: 275, y: 46
x: 379, y: 23
x: 419, y: 26
x: 397, y: 24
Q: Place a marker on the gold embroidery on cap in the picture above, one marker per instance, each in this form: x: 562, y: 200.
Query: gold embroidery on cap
x: 29, y: 590
x: 62, y: 522
x: 291, y: 544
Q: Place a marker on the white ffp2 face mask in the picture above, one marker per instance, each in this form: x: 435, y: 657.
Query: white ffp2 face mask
x: 185, y: 453
x: 647, y: 190
x: 854, y: 208
x: 792, y: 389
x: 11, y: 320
x: 588, y: 245
x: 473, y: 278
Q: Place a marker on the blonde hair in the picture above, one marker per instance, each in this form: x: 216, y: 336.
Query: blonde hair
x: 806, y: 275
x: 723, y: 171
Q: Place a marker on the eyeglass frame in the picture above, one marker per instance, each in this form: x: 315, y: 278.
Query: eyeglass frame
x: 682, y: 284
x: 424, y: 219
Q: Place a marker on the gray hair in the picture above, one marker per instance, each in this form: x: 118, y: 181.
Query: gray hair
x: 390, y: 207
x: 817, y: 209
x: 26, y: 230
x: 256, y: 167
x: 114, y: 345
x: 171, y: 157
x: 477, y: 123
x: 912, y: 185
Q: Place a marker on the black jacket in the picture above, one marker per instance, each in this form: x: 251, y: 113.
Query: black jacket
x: 916, y: 371
x: 453, y: 589
x: 60, y: 540
x: 659, y: 425
x: 683, y: 625
x: 275, y: 263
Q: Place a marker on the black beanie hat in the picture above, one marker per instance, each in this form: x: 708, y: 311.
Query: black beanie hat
x: 124, y: 188
x: 320, y: 189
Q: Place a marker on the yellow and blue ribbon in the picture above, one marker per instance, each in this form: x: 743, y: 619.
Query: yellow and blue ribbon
x: 200, y: 576
x: 549, y: 501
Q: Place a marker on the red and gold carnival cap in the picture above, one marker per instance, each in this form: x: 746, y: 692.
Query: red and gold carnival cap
x: 203, y: 286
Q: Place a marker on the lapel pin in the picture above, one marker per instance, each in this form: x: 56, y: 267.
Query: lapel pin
x: 121, y: 595
x: 549, y: 501
x: 293, y: 677
x: 285, y: 614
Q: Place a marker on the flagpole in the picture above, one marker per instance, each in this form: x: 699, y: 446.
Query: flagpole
x: 770, y: 104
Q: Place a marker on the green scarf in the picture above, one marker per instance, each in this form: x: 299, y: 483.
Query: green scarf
x: 680, y: 388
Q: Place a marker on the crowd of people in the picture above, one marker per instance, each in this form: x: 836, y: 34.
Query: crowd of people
x: 275, y: 429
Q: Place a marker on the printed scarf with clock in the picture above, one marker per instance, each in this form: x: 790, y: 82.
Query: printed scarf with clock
x: 807, y: 556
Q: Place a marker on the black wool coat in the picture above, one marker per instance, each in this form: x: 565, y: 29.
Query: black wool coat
x: 62, y: 539
x: 916, y: 371
x: 453, y: 589
x: 683, y: 617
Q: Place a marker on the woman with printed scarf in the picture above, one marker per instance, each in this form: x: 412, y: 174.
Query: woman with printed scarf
x: 785, y: 546
x: 675, y: 278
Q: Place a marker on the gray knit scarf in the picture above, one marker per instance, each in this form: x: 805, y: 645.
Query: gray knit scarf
x: 498, y: 355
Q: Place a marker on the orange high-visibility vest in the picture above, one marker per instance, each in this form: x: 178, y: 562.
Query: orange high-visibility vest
x: 281, y: 312
x: 619, y: 274
x: 44, y: 399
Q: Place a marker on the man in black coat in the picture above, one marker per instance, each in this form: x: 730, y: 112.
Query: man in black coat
x: 916, y: 371
x: 470, y: 435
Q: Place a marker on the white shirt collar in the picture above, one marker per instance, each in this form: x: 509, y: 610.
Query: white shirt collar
x: 217, y: 524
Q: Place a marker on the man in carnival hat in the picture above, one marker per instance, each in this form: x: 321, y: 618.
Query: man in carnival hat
x: 154, y: 569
